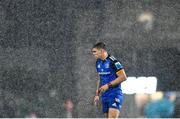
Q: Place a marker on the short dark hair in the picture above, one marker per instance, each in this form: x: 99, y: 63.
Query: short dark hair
x: 100, y: 45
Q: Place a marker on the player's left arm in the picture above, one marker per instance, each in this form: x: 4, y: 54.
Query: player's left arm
x: 121, y: 76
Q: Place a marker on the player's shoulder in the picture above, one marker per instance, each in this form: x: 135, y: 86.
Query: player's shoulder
x: 112, y: 58
x: 115, y: 62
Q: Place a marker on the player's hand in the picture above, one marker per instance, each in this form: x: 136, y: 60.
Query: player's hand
x: 103, y: 88
x: 96, y: 100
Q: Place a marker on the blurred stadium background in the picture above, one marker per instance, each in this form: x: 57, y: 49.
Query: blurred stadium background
x: 46, y: 67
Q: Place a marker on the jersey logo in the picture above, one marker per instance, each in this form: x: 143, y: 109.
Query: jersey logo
x: 117, y: 100
x: 118, y: 65
x: 114, y: 104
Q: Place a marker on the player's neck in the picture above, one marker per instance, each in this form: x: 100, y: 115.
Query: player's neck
x: 104, y: 56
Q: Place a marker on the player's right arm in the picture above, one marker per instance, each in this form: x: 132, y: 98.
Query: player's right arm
x: 97, y: 87
x: 96, y: 97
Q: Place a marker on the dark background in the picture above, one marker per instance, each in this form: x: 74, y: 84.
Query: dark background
x: 45, y: 49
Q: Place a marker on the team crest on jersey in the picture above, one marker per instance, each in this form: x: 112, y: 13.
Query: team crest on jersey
x: 107, y: 65
x: 118, y: 65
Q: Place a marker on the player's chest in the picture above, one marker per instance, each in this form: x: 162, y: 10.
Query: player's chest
x: 104, y: 66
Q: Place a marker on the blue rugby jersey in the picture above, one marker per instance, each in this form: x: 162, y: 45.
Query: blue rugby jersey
x: 107, y: 71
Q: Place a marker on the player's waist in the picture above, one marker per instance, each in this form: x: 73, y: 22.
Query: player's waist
x: 107, y: 79
x: 112, y: 91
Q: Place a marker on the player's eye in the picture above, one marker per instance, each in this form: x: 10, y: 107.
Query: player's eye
x: 93, y: 51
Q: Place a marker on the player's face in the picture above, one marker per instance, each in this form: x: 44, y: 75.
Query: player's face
x: 97, y: 53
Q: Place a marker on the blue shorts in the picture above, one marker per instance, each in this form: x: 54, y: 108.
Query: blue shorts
x: 112, y: 102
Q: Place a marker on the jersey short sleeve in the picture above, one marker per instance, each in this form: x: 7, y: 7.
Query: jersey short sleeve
x: 116, y: 65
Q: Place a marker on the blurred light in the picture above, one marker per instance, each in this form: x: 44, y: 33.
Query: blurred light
x: 128, y: 85
x: 139, y: 85
x: 147, y: 19
x: 157, y: 96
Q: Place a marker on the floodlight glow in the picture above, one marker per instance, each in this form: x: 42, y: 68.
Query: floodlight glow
x: 139, y: 85
x: 128, y: 85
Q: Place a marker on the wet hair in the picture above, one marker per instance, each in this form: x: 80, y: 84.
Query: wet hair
x: 100, y: 45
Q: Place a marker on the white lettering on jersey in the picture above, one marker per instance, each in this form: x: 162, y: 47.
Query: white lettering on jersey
x: 112, y: 58
x: 104, y: 73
